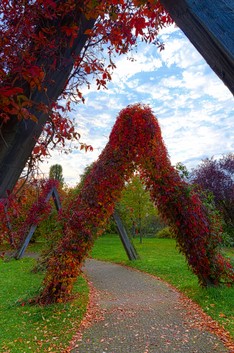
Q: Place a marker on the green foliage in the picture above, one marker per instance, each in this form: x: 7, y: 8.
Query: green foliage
x: 56, y: 172
x: 111, y: 226
x: 137, y: 211
x: 227, y: 230
x: 183, y: 171
x: 161, y: 258
x: 50, y: 230
x: 228, y: 235
x: 33, y: 328
x: 166, y: 233
x: 83, y: 176
x: 48, y: 224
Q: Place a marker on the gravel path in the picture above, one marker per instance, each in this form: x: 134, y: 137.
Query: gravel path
x: 133, y: 312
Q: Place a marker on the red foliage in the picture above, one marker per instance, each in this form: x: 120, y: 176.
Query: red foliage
x: 19, y: 212
x: 134, y: 141
x: 217, y: 176
x: 37, y: 212
x: 34, y: 39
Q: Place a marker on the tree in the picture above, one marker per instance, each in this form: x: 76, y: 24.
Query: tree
x: 217, y: 176
x: 56, y: 172
x: 136, y: 207
x: 182, y: 170
x: 50, y: 53
x: 48, y: 50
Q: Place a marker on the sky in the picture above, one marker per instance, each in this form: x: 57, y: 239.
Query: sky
x: 194, y: 108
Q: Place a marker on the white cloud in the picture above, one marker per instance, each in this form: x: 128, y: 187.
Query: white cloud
x: 194, y: 108
x: 141, y: 61
x: 179, y: 52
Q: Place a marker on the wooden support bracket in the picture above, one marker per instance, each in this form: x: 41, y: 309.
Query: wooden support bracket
x: 128, y: 246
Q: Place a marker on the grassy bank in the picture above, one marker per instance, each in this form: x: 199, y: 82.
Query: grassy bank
x: 161, y: 258
x: 33, y: 328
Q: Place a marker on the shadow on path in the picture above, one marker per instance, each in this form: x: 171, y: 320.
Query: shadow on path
x: 136, y: 313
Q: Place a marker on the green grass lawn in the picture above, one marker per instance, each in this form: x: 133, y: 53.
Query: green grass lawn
x: 161, y: 258
x: 32, y: 328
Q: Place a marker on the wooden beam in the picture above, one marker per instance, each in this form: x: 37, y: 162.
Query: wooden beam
x: 128, y: 246
x: 56, y: 199
x: 209, y: 25
x: 20, y: 252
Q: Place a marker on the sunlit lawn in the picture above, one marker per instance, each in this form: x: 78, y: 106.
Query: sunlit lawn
x: 160, y: 257
x: 33, y: 328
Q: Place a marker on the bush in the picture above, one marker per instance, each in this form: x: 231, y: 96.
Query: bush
x: 166, y: 232
x: 228, y: 236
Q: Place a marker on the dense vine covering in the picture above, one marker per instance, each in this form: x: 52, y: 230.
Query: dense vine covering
x: 135, y: 141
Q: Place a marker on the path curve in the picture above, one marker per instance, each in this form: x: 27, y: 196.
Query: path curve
x: 136, y: 313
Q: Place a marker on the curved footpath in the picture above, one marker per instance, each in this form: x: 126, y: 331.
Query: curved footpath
x: 133, y: 312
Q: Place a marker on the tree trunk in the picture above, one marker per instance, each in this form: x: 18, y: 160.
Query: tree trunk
x: 209, y: 25
x: 18, y: 138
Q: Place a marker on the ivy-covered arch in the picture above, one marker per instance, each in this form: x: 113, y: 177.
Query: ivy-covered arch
x: 135, y: 141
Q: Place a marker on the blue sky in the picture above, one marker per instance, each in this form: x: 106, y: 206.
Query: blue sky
x: 194, y: 108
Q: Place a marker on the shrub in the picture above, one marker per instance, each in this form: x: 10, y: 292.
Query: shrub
x: 228, y: 236
x: 166, y: 232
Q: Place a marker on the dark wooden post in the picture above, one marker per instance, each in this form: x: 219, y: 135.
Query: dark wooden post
x: 128, y: 246
x: 20, y: 252
x: 209, y: 25
x: 56, y: 199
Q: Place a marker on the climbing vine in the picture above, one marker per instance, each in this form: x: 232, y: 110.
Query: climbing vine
x: 135, y: 141
x: 40, y: 39
x: 19, y: 212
